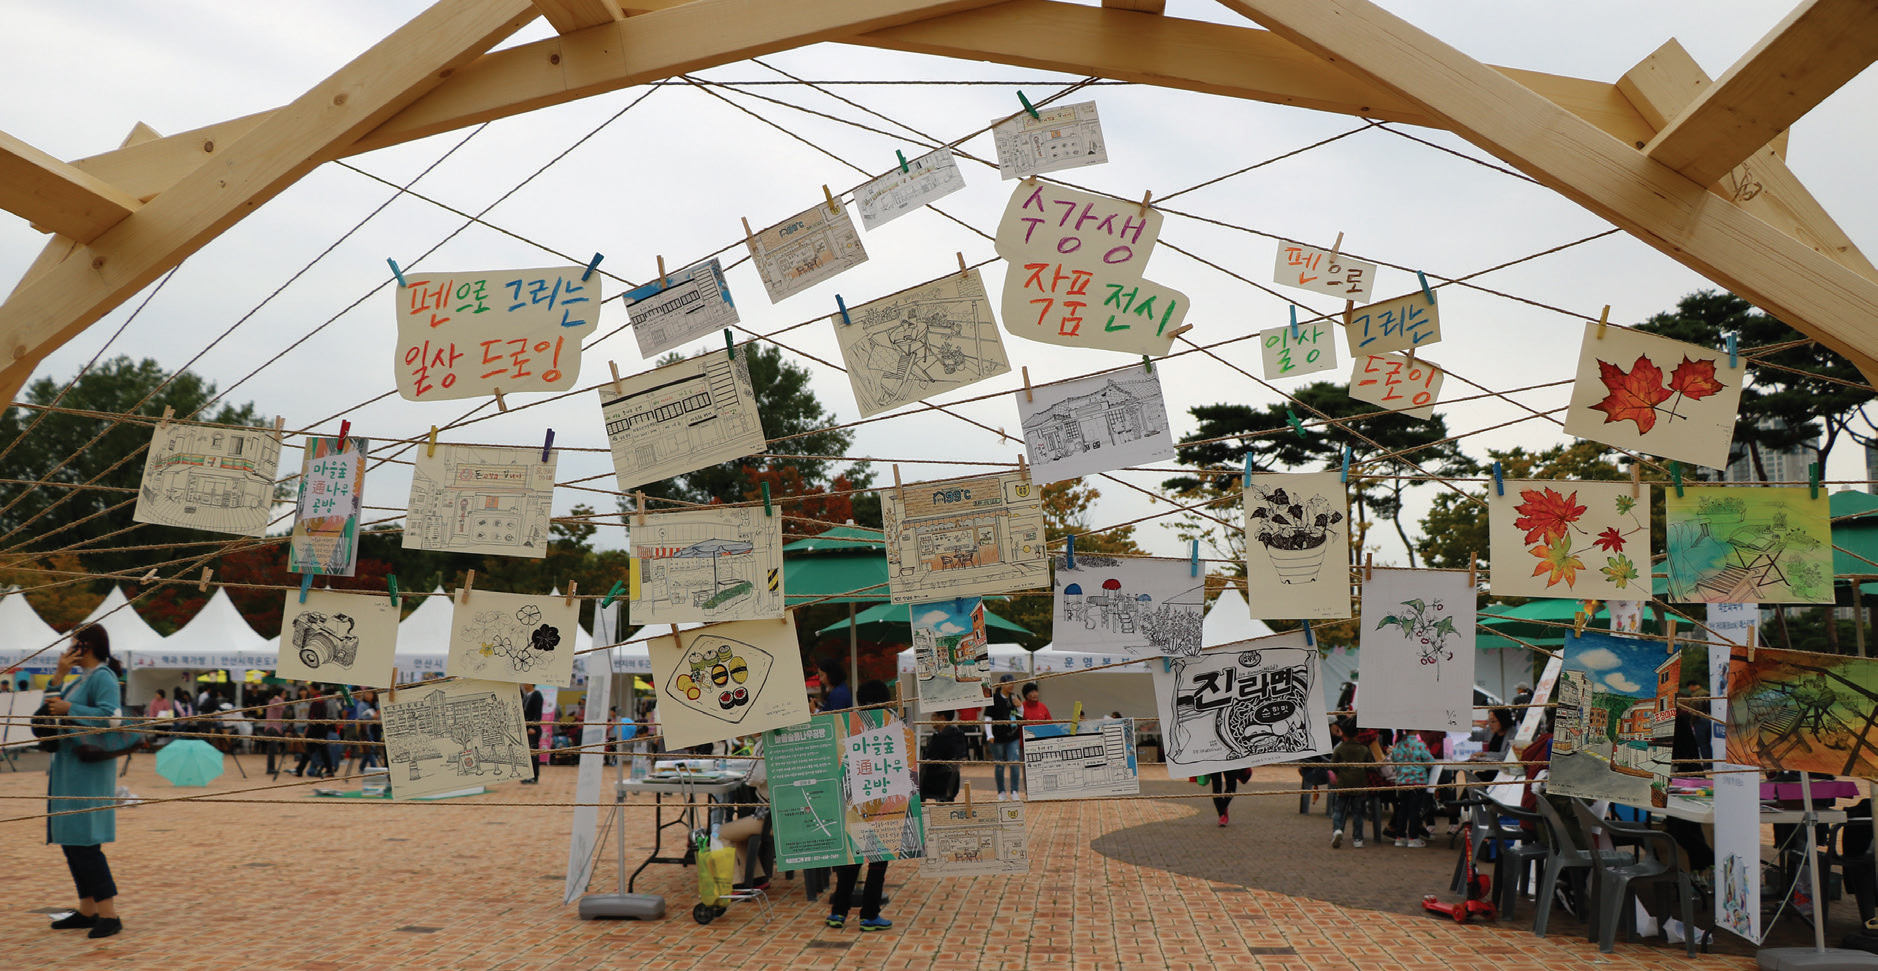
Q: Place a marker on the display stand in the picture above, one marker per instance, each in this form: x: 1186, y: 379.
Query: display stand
x: 621, y: 905
x: 1819, y: 957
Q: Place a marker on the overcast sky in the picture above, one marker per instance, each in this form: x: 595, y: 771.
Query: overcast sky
x: 673, y: 175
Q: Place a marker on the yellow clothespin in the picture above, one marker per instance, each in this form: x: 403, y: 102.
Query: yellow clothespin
x: 503, y: 405
x: 1603, y: 319
x: 831, y: 200
x: 168, y: 413
x: 573, y: 588
x: 617, y: 390
x: 202, y: 585
x: 662, y: 277
x: 1754, y: 639
x: 463, y: 595
x: 962, y: 269
x: 1578, y: 624
x: 279, y: 423
x: 1176, y: 332
x: 1146, y: 197
x: 1027, y: 395
x: 1023, y: 466
x: 430, y: 447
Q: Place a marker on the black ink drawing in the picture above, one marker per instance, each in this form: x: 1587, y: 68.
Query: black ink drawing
x: 514, y: 637
x: 455, y: 735
x: 919, y: 342
x: 1138, y: 606
x: 1238, y: 707
x: 1297, y: 546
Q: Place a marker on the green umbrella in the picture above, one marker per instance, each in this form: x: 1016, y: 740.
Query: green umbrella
x: 846, y: 564
x: 891, y: 623
x: 189, y: 762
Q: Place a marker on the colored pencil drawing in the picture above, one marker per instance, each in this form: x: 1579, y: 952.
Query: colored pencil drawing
x: 1640, y: 391
x: 725, y: 680
x: 680, y: 418
x: 1297, y: 545
x: 477, y: 499
x: 1798, y: 711
x: 514, y: 637
x: 705, y: 566
x: 1137, y: 606
x: 1616, y: 719
x: 218, y: 478
x: 1594, y: 533
x: 332, y: 493
x: 964, y: 537
x: 1749, y: 545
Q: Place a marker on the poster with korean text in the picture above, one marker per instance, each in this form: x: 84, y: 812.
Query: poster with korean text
x: 921, y: 182
x: 1737, y: 791
x: 705, y: 565
x: 1135, y: 606
x: 1735, y: 624
x: 1075, y: 273
x: 1290, y: 352
x: 803, y: 765
x: 218, y: 478
x: 1418, y: 639
x: 1554, y: 538
x: 964, y: 538
x: 884, y: 818
x: 481, y: 499
x: 454, y: 735
x: 332, y: 492
x: 1095, y: 763
x: 809, y: 247
x: 517, y: 637
x: 1241, y: 705
x: 338, y: 638
x: 1049, y: 140
x: 1396, y: 324
x: 920, y: 342
x: 680, y: 418
x: 466, y: 334
x: 1320, y: 271
x: 1652, y: 394
x: 951, y: 656
x: 975, y: 840
x: 726, y: 680
x: 1397, y: 383
x: 1796, y: 711
x: 1616, y: 719
x: 1095, y: 424
x: 685, y: 306
x: 1745, y: 544
x: 1297, y: 543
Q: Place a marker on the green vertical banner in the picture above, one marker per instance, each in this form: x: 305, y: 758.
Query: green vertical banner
x: 805, y: 793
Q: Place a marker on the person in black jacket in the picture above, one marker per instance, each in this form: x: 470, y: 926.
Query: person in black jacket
x: 1006, y: 736
x: 531, y: 719
x: 939, y: 777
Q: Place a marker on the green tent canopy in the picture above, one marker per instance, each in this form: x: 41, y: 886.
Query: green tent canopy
x: 847, y: 564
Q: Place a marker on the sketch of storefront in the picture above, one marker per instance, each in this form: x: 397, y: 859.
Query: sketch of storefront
x: 209, y: 476
x: 1112, y: 415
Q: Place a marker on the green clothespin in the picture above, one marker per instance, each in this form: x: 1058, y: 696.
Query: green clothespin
x: 391, y: 581
x: 1291, y: 418
x: 903, y: 168
x: 619, y: 586
x: 1026, y: 103
x: 1675, y: 473
x: 730, y: 344
x: 767, y: 511
x: 1812, y: 478
x: 1147, y: 364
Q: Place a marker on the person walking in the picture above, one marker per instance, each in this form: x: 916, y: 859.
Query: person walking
x: 274, y: 728
x: 1003, y: 713
x: 84, y: 791
x: 1224, y: 785
x: 532, y: 703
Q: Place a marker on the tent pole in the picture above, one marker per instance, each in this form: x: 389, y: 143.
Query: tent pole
x: 854, y: 651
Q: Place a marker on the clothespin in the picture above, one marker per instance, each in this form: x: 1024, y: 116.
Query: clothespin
x: 1426, y: 292
x: 147, y: 578
x: 1754, y: 640
x: 1294, y: 321
x: 202, y: 586
x: 1733, y: 362
x: 1578, y: 624
x: 279, y: 424
x: 1636, y: 479
x: 965, y: 789
x: 1291, y: 418
x: 392, y: 697
x: 1336, y: 248
x: 595, y: 262
x: 469, y: 583
x: 619, y: 586
x: 1473, y: 579
x: 397, y: 272
x: 1671, y: 631
x: 677, y: 641
x: 1369, y: 567
x: 1675, y: 473
x: 1026, y: 103
x: 168, y: 413
x: 831, y: 199
x: 1147, y: 364
x: 1499, y: 482
x: 1193, y: 560
x: 617, y: 390
x: 1146, y: 197
x: 1069, y: 551
x: 639, y: 503
x: 345, y: 430
x: 1310, y: 639
x: 430, y: 448
x: 897, y: 494
x: 962, y: 268
x: 730, y: 345
x: 749, y: 238
x: 1812, y: 478
x: 903, y: 169
x: 547, y: 445
x: 767, y: 511
x: 391, y: 582
x: 1027, y: 394
x: 1345, y: 476
x: 501, y: 404
x: 1167, y: 665
x: 573, y: 587
x: 846, y: 321
x: 306, y: 584
x: 1604, y: 318
x: 1023, y: 466
x: 1245, y: 480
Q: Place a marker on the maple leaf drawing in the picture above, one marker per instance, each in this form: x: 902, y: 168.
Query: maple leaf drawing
x: 1545, y: 514
x: 1694, y: 380
x: 1619, y: 570
x: 1610, y: 541
x: 1634, y: 395
x: 1557, y: 557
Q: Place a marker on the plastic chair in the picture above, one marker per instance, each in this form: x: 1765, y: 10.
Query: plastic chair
x: 1516, y: 859
x: 1656, y: 862
x: 1564, y: 855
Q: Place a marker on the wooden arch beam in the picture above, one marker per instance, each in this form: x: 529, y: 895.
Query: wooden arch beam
x: 58, y: 197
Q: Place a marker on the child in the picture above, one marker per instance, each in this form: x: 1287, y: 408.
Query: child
x: 1413, y: 761
x: 1348, y: 797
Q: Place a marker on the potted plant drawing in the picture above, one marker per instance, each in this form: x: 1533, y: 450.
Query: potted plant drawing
x: 1293, y: 531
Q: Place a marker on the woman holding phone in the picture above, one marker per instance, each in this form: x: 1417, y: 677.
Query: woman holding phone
x: 91, y: 700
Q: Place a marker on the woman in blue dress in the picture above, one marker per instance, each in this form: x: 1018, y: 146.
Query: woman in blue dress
x: 91, y: 700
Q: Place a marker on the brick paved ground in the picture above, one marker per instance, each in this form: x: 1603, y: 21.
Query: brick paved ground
x: 321, y: 885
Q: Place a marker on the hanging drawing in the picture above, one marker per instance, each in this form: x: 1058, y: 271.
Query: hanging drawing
x: 1397, y: 324
x: 325, y: 537
x: 1740, y: 544
x: 1626, y: 616
x: 1095, y: 424
x: 1553, y: 538
x: 1320, y: 271
x: 920, y: 342
x: 1240, y: 705
x: 514, y: 637
x: 1075, y: 274
x: 964, y: 538
x: 1616, y: 719
x: 481, y: 499
x: 1091, y: 764
x: 1397, y: 382
x: 1049, y: 140
x: 803, y: 766
x: 726, y: 680
x: 1796, y: 711
x: 1418, y: 639
x: 218, y: 478
x: 680, y: 418
x: 1297, y: 543
x: 339, y: 638
x: 468, y: 334
x: 683, y: 307
x: 454, y: 735
x: 951, y: 654
x: 706, y: 565
x: 884, y: 818
x: 1132, y: 605
x: 921, y: 182
x: 975, y: 840
x: 1289, y: 352
x: 1652, y: 394
x: 809, y: 247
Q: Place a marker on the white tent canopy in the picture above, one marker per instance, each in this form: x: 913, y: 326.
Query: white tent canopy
x: 424, y: 638
x: 1230, y: 620
x: 216, y: 637
x: 129, y: 633
x: 26, y: 635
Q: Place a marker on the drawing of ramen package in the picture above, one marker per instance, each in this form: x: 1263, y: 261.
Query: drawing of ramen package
x: 1240, y: 705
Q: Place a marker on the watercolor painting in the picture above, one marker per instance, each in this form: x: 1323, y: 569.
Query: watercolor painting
x: 1552, y: 538
x: 1745, y: 544
x: 1803, y: 712
x: 1616, y: 719
x: 1652, y: 394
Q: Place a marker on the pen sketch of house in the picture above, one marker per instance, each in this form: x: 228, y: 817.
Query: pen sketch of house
x: 1118, y: 413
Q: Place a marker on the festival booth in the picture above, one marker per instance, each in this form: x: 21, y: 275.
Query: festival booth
x: 216, y: 637
x: 424, y: 639
x: 32, y: 645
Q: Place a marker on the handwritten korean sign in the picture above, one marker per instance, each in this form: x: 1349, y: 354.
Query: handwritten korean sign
x: 332, y: 491
x: 1396, y: 383
x: 1397, y: 324
x: 463, y: 335
x: 1288, y: 355
x: 1310, y: 268
x: 876, y: 764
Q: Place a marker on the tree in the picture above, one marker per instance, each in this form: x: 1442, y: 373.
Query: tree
x: 1066, y: 507
x: 48, y: 587
x: 60, y: 448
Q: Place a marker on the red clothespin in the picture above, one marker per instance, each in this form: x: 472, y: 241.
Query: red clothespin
x: 345, y: 431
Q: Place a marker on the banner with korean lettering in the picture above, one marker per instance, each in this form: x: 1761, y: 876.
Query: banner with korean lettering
x: 332, y: 492
x: 1240, y: 705
x: 884, y: 818
x: 466, y: 334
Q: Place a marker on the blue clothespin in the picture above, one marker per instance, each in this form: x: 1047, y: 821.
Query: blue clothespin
x: 1167, y: 665
x: 1193, y: 560
x: 1346, y: 465
x: 611, y: 595
x: 597, y: 257
x: 730, y: 345
x: 1675, y: 473
x: 1026, y: 103
x: 843, y: 304
x: 1245, y: 481
x: 547, y: 445
x: 1291, y: 418
x: 1310, y: 639
x: 1069, y: 552
x: 391, y: 581
x: 397, y: 272
x: 1499, y: 483
x: 306, y: 584
x: 1294, y: 321
x: 767, y: 511
x: 1812, y: 478
x: 1733, y: 362
x: 1146, y: 364
x: 1426, y: 292
x: 902, y: 155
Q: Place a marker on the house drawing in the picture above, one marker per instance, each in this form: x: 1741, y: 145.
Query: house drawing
x: 1117, y: 413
